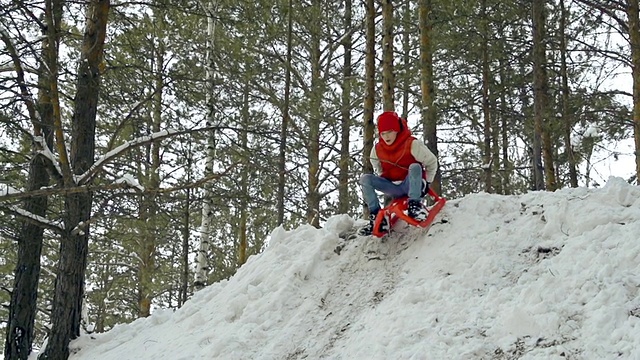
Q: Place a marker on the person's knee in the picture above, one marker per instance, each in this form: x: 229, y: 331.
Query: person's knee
x: 415, y: 168
x: 365, y: 179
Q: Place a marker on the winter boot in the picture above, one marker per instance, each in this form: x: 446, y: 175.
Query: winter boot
x: 416, y: 211
x: 368, y: 229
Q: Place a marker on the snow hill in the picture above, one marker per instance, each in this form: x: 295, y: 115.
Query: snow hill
x: 538, y: 276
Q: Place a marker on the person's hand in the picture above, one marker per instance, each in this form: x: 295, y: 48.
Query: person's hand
x: 425, y: 188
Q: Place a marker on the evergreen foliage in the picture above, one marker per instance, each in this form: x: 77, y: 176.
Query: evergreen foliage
x: 143, y: 241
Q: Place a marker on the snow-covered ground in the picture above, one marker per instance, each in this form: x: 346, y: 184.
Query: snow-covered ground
x: 538, y: 276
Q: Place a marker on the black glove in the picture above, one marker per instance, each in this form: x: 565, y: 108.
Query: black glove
x: 425, y: 188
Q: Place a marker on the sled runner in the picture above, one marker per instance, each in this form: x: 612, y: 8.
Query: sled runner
x: 398, y: 210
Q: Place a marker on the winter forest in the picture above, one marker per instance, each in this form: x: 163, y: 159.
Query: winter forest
x: 147, y: 148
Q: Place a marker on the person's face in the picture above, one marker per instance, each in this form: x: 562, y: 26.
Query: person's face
x: 389, y: 136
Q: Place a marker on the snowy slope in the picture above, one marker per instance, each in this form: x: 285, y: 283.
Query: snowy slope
x: 538, y: 276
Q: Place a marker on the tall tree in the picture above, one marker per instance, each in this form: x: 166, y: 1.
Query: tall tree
x: 66, y: 312
x: 566, y: 114
x: 202, y: 262
x: 245, y: 168
x: 427, y: 86
x: 486, y: 104
x: 150, y: 164
x: 315, y: 96
x: 407, y: 59
x: 23, y: 306
x: 388, y: 75
x: 615, y: 12
x: 284, y: 128
x: 370, y: 88
x: 540, y: 91
x: 634, y: 39
x: 345, y: 112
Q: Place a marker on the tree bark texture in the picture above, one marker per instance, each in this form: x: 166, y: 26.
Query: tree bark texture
x: 486, y: 110
x: 202, y: 257
x: 22, y: 309
x: 282, y: 157
x: 427, y: 86
x: 69, y: 288
x: 244, y: 178
x: 315, y: 117
x: 540, y: 91
x: 23, y: 305
x: 370, y: 90
x: 634, y: 37
x: 567, y: 118
x: 148, y: 204
x: 388, y: 76
x: 345, y: 109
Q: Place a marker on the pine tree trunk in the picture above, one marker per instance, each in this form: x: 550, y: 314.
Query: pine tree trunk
x: 540, y: 91
x: 504, y: 136
x: 315, y: 117
x: 148, y: 203
x: 282, y: 158
x: 634, y: 36
x: 388, y: 77
x: 244, y: 179
x: 22, y: 310
x: 345, y: 128
x: 427, y: 85
x: 23, y: 305
x: 567, y: 118
x: 407, y: 61
x: 370, y: 85
x: 486, y: 150
x: 369, y: 95
x: 69, y: 290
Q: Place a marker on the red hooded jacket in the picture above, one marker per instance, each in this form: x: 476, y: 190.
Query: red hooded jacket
x: 396, y: 158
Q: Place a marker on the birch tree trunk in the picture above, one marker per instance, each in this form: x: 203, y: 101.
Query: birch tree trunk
x: 202, y: 258
x: 184, y: 261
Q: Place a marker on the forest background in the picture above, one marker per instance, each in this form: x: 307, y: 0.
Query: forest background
x: 148, y: 148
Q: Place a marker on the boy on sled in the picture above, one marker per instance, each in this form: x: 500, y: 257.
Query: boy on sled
x: 405, y: 168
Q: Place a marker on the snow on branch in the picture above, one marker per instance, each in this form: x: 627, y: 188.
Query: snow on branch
x: 46, y: 152
x: 6, y: 190
x: 60, y: 191
x: 143, y: 140
x: 34, y: 219
x: 131, y: 182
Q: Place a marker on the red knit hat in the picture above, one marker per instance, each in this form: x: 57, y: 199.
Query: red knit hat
x: 388, y: 121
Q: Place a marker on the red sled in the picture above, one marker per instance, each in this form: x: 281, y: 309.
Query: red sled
x: 398, y: 210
